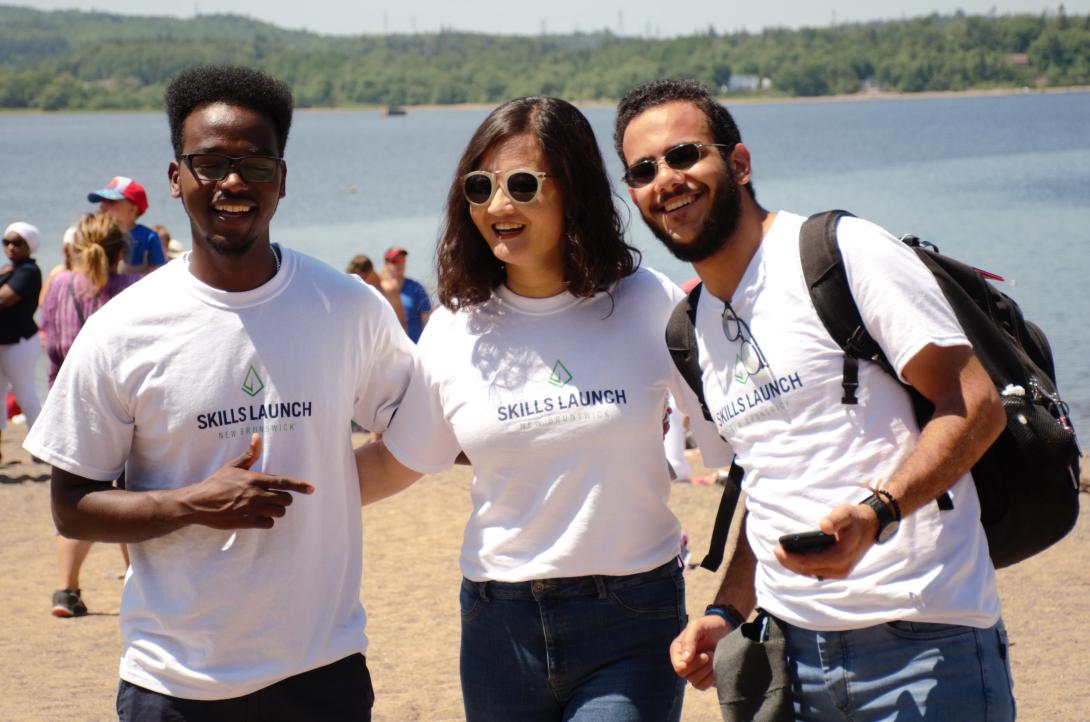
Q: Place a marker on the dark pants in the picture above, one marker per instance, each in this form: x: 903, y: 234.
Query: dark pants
x: 336, y: 692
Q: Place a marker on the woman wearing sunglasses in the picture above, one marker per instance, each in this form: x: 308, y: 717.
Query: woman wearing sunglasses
x: 20, y: 284
x: 547, y: 366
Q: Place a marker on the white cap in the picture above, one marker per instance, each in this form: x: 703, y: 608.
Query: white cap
x: 27, y: 232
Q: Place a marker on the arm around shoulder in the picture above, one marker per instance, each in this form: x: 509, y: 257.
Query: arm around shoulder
x: 380, y: 473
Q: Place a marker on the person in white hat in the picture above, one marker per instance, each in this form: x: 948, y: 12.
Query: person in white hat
x: 20, y: 284
x: 67, y: 244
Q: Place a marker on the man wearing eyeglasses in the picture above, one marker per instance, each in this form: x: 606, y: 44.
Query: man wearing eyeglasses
x: 900, y: 614
x: 225, y: 391
x: 125, y: 201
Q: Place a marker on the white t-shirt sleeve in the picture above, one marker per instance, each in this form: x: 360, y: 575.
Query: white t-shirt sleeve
x: 86, y: 425
x: 899, y: 299
x: 382, y: 381
x: 420, y: 435
x: 714, y: 450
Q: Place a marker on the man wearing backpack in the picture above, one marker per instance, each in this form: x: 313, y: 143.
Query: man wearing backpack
x: 899, y: 615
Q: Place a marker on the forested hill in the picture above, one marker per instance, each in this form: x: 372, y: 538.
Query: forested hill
x: 87, y: 60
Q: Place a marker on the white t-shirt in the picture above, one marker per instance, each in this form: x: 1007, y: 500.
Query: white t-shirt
x: 167, y: 382
x: 558, y: 403
x: 805, y: 452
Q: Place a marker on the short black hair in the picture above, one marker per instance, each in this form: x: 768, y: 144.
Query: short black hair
x: 203, y: 85
x: 659, y: 92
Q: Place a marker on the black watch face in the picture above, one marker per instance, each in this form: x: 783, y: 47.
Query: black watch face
x: 888, y: 531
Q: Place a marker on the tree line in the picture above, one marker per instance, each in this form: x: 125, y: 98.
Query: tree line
x: 73, y: 60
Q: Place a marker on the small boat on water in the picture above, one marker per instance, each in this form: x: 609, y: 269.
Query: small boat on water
x: 393, y: 109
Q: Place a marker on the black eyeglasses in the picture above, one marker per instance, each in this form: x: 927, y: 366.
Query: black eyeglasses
x: 14, y: 242
x: 520, y: 184
x: 216, y: 166
x: 735, y: 329
x: 680, y: 157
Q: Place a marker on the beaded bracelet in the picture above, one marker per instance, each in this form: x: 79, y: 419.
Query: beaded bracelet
x: 890, y: 502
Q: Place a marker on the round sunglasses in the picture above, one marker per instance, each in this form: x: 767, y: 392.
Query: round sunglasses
x: 521, y: 185
x: 681, y: 157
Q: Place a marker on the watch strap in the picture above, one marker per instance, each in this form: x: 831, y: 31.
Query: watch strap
x: 885, y: 514
x: 726, y: 611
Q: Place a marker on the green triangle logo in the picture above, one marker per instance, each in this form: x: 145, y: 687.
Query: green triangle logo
x: 740, y: 373
x: 560, y: 375
x: 253, y: 385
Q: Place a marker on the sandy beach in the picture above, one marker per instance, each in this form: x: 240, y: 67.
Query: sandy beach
x: 57, y: 669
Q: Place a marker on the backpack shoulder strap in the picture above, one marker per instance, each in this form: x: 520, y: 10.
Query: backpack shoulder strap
x: 681, y: 341
x: 827, y: 280
x: 724, y: 517
x: 75, y: 301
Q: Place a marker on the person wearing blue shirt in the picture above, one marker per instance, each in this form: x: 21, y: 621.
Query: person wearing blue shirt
x: 414, y: 298
x: 125, y: 200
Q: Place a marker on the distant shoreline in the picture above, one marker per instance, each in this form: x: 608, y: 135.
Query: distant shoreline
x: 728, y: 100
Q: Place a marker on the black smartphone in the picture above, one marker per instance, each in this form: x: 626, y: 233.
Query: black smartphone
x: 804, y: 542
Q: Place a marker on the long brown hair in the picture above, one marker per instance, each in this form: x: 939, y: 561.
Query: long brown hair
x: 595, y: 252
x: 99, y: 241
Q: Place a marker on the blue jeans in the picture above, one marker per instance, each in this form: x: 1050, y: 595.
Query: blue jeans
x: 901, y: 671
x: 580, y: 648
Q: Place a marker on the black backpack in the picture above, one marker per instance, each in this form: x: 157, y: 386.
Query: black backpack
x: 1027, y: 481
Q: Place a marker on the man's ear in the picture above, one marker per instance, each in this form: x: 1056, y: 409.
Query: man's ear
x: 283, y: 178
x: 740, y: 164
x: 172, y: 178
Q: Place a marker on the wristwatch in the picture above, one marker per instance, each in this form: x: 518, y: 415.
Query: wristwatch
x: 888, y: 518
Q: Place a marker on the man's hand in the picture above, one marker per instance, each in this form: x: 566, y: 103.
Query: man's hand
x: 854, y: 526
x: 693, y: 650
x: 236, y: 498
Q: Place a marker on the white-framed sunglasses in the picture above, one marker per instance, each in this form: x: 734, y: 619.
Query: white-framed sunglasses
x: 521, y: 185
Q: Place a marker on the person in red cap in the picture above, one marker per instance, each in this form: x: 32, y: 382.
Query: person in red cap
x: 125, y: 200
x: 414, y: 299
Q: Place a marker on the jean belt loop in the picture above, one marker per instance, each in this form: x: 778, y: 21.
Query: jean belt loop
x: 482, y: 590
x: 600, y: 583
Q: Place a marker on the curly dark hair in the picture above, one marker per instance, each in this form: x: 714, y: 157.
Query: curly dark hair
x: 206, y: 84
x: 595, y: 252
x: 659, y: 92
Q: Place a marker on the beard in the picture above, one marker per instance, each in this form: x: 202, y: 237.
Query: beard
x: 719, y: 225
x: 219, y: 245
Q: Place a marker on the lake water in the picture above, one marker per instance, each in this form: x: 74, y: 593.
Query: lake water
x: 1002, y: 183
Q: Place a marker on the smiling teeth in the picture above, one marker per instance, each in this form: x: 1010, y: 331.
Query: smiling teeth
x: 229, y: 208
x: 674, y: 205
x: 508, y: 226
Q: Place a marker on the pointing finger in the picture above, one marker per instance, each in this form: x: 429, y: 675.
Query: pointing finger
x: 284, y: 483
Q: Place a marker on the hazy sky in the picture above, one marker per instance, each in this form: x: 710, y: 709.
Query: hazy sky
x: 627, y: 17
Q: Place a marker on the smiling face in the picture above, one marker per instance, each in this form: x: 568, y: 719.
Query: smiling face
x: 526, y: 237
x: 229, y: 217
x: 692, y: 211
